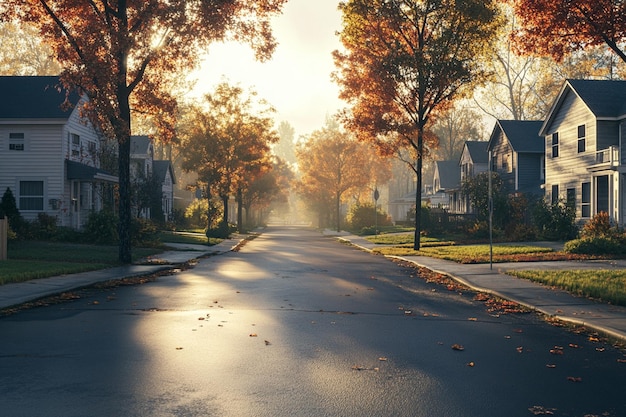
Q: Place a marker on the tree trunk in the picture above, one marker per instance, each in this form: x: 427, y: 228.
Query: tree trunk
x: 239, y: 211
x: 337, y: 211
x: 418, y: 189
x: 225, y: 216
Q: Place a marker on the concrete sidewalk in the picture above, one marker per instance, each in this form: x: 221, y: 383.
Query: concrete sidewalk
x: 605, y: 318
x: 19, y: 293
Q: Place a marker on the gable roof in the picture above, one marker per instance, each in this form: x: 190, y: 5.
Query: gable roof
x: 477, y: 150
x: 160, y: 168
x: 139, y: 145
x: 606, y: 99
x: 449, y: 174
x: 523, y: 135
x: 34, y: 97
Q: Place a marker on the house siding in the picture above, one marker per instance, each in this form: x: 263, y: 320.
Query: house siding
x: 528, y: 171
x: 569, y: 169
x: 504, y: 161
x: 34, y: 163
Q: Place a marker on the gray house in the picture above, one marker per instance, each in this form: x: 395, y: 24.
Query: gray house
x: 143, y: 165
x: 474, y: 160
x: 584, y: 132
x: 518, y: 155
x: 49, y: 154
x: 447, y: 184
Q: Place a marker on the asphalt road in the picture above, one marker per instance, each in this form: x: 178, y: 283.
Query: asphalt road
x: 296, y: 324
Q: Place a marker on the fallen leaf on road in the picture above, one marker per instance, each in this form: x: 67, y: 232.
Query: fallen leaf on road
x: 179, y: 348
x: 541, y: 411
x: 458, y: 347
x: 472, y: 319
x: 470, y: 364
x: 253, y: 335
x: 382, y: 359
x: 557, y: 350
x: 551, y: 366
x: 574, y: 378
x: 520, y: 349
x: 267, y: 343
x: 621, y: 360
x: 573, y: 346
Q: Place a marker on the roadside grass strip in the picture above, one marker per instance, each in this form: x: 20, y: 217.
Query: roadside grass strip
x: 20, y: 270
x: 187, y: 237
x: 604, y: 285
x: 469, y: 253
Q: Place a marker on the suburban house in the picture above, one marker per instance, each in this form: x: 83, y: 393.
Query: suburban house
x: 446, y: 185
x: 474, y: 160
x: 48, y: 152
x: 518, y: 155
x: 143, y: 166
x: 584, y: 132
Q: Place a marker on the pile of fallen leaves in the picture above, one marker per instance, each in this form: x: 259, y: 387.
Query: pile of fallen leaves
x: 529, y: 257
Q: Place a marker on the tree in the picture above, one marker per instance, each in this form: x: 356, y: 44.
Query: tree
x: 405, y: 61
x: 123, y: 54
x: 457, y: 125
x: 23, y: 52
x: 558, y: 28
x: 228, y: 141
x: 286, y: 148
x: 333, y: 163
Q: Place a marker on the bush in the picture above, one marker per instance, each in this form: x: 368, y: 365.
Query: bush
x: 144, y: 232
x: 222, y: 231
x: 362, y: 216
x: 8, y: 208
x: 45, y: 227
x: 555, y: 221
x: 599, y: 226
x: 595, y: 246
x: 101, y: 228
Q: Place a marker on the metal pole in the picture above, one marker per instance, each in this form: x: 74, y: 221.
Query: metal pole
x: 490, y: 216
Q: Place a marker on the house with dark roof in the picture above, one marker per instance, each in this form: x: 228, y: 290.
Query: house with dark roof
x: 474, y: 160
x: 518, y: 155
x: 446, y: 185
x: 585, y: 135
x: 49, y: 152
x: 143, y: 166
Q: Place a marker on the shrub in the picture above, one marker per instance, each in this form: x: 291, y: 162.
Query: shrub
x: 595, y: 246
x: 8, y: 208
x: 101, y: 228
x: 144, y: 232
x: 555, y: 221
x: 599, y: 226
x: 45, y: 227
x: 362, y: 216
x: 222, y: 231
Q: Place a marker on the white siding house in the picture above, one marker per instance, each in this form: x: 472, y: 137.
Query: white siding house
x: 585, y: 134
x: 48, y: 153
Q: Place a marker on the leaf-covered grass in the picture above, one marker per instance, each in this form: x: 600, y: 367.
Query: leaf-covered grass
x: 34, y: 259
x: 475, y: 253
x: 195, y: 238
x: 604, y: 285
x: 404, y: 239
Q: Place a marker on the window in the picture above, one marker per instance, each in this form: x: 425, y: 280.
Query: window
x: 16, y: 141
x: 581, y: 139
x: 91, y: 147
x: 586, y: 200
x: 555, y: 144
x: 31, y: 195
x: 555, y: 194
x: 75, y: 144
x: 571, y: 198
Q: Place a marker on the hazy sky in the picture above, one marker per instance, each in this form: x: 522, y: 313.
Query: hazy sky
x: 296, y: 81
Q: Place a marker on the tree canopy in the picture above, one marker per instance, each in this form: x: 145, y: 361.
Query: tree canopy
x: 228, y: 141
x: 557, y: 28
x: 123, y: 53
x: 406, y: 60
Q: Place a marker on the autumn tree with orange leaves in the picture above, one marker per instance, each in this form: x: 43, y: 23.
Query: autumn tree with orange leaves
x: 405, y: 61
x: 122, y: 54
x: 558, y: 28
x: 333, y: 164
x: 227, y: 143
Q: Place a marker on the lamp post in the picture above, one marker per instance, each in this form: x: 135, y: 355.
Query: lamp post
x: 490, y: 215
x: 376, y: 196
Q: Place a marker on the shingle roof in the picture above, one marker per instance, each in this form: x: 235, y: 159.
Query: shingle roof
x: 33, y: 97
x: 605, y: 98
x: 478, y: 151
x: 523, y: 135
x: 139, y: 144
x: 449, y: 174
x: 160, y: 168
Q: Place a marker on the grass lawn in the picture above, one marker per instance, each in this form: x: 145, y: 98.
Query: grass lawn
x: 196, y: 238
x: 32, y: 259
x: 473, y: 253
x: 608, y: 286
